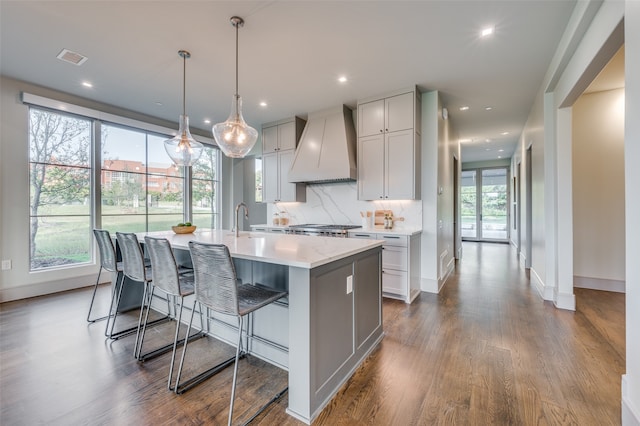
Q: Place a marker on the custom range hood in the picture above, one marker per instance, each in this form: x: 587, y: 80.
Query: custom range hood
x: 327, y: 148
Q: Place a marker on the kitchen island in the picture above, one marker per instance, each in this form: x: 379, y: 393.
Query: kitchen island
x: 332, y: 319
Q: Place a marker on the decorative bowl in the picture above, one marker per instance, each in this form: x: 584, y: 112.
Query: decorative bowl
x: 183, y: 229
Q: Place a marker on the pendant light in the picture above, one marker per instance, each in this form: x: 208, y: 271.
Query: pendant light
x: 183, y: 149
x: 234, y: 137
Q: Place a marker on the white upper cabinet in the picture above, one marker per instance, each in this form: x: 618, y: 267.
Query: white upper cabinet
x: 399, y: 112
x: 371, y: 118
x: 371, y: 175
x: 269, y: 139
x: 279, y: 137
x: 279, y: 141
x: 389, y: 147
x: 391, y: 114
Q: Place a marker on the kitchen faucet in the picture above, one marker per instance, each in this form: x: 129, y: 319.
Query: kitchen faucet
x: 246, y: 215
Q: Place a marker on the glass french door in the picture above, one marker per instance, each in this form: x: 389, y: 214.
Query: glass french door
x: 484, y: 204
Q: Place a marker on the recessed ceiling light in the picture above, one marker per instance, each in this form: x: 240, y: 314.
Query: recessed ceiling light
x: 487, y: 140
x: 87, y: 84
x: 263, y: 104
x: 487, y: 149
x: 207, y: 121
x: 486, y: 32
x: 488, y: 108
x: 499, y: 156
x: 158, y: 103
x: 504, y: 133
x: 501, y: 150
x: 464, y: 140
x: 342, y: 79
x: 464, y: 108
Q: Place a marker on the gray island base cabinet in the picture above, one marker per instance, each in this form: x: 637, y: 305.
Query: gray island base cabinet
x: 333, y: 317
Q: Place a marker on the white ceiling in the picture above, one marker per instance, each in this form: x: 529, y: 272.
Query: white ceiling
x: 291, y: 53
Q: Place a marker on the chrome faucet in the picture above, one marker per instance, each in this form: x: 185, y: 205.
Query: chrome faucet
x: 246, y: 215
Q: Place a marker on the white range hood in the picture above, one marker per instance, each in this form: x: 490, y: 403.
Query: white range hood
x: 327, y: 148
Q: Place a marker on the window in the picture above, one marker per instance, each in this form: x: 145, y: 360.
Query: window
x: 139, y: 188
x: 60, y: 182
x: 205, y: 184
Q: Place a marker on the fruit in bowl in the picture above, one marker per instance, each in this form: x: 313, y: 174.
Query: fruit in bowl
x: 184, y: 228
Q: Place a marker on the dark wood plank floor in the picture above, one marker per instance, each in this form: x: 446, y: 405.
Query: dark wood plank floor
x: 485, y: 351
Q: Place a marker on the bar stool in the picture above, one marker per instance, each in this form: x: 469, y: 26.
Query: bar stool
x: 135, y: 268
x: 217, y: 288
x: 174, y: 282
x: 108, y: 262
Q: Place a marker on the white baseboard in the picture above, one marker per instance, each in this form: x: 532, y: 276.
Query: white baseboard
x: 430, y: 285
x: 617, y: 286
x: 630, y: 415
x: 565, y: 301
x: 523, y: 260
x: 545, y: 292
x: 40, y: 289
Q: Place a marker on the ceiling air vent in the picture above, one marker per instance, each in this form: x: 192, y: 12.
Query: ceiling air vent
x: 71, y: 57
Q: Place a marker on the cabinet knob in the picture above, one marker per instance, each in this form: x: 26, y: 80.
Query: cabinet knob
x: 386, y: 130
x: 381, y: 130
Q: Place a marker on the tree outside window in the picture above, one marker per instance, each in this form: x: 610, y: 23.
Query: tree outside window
x: 60, y: 189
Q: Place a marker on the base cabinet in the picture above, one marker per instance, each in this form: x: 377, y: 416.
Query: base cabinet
x: 400, y: 264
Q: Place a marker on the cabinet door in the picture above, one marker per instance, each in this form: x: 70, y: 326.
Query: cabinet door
x: 371, y: 167
x: 399, y: 114
x: 269, y: 139
x: 394, y: 257
x: 371, y: 118
x: 270, y: 177
x: 394, y: 282
x: 399, y: 162
x: 287, y: 136
x: 287, y: 190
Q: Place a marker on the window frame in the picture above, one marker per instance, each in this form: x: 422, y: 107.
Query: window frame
x: 98, y: 119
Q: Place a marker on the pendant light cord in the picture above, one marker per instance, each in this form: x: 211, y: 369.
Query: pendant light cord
x: 184, y: 85
x: 237, y: 25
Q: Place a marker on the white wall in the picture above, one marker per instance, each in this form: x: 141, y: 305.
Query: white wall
x: 533, y: 136
x: 439, y: 146
x: 429, y: 184
x: 598, y: 190
x: 631, y: 380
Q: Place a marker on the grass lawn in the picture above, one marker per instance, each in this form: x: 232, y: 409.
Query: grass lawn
x: 64, y: 235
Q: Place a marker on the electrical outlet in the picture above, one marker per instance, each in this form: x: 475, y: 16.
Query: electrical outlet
x: 6, y: 264
x: 349, y: 284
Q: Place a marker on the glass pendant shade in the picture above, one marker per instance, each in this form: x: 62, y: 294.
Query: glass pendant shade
x: 183, y: 149
x: 234, y: 137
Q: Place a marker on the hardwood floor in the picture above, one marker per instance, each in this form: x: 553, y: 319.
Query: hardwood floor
x: 485, y: 351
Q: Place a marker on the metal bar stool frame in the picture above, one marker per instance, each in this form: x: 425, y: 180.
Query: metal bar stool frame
x: 137, y: 269
x: 108, y: 262
x: 217, y: 288
x: 176, y: 283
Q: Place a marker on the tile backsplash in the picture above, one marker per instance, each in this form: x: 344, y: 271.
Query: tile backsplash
x: 337, y: 203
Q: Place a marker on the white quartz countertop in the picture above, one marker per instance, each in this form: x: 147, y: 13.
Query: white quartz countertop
x: 282, y: 249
